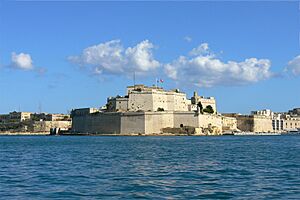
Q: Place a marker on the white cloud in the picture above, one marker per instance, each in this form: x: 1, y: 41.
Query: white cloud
x: 202, y: 68
x: 21, y: 61
x: 112, y: 58
x: 202, y: 49
x: 187, y: 38
x: 294, y: 66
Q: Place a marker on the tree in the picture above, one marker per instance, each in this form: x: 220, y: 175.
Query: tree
x: 208, y: 109
x: 200, y: 107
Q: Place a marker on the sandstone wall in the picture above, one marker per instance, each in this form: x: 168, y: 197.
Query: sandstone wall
x: 262, y: 124
x: 142, y: 101
x: 229, y: 123
x: 142, y: 122
x: 186, y: 119
x: 156, y: 121
x: 45, y: 126
x: 98, y: 123
x: 245, y: 123
x: 254, y: 123
x: 206, y: 121
x: 132, y: 123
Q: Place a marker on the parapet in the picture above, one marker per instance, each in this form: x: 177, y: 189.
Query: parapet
x: 84, y: 111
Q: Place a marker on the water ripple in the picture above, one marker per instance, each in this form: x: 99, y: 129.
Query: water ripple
x: 149, y: 167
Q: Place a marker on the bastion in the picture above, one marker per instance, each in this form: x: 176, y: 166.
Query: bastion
x: 148, y: 110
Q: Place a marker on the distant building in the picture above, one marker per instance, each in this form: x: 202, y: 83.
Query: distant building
x: 265, y: 112
x: 50, y: 117
x: 258, y: 121
x: 268, y: 121
x: 291, y: 123
x: 294, y: 112
x: 277, y: 123
x: 33, y: 122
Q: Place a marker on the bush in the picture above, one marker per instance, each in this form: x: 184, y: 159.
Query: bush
x: 160, y: 109
x: 208, y: 109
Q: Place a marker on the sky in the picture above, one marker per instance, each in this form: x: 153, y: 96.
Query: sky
x: 59, y: 55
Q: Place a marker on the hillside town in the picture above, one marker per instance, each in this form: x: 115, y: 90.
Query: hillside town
x: 33, y: 123
x: 152, y: 110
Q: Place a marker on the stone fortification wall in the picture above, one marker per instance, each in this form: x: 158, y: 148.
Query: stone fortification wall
x: 254, y: 123
x: 97, y: 123
x: 156, y: 121
x: 262, y: 124
x: 245, y: 123
x: 208, y: 121
x: 186, y: 119
x: 141, y: 122
x: 229, y: 123
x: 132, y: 123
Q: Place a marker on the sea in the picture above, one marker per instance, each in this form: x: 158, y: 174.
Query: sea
x: 149, y: 167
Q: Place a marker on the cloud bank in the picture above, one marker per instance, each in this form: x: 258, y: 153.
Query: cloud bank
x: 202, y: 68
x: 112, y: 58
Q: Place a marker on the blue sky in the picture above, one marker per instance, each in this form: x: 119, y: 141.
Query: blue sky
x: 65, y: 55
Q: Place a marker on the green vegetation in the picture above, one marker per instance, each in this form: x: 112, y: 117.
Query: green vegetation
x: 160, y: 109
x: 200, y: 107
x: 208, y: 109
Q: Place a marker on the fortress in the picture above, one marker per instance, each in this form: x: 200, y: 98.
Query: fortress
x: 149, y: 110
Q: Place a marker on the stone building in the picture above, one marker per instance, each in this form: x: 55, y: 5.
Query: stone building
x: 144, y: 110
x: 282, y: 122
x: 294, y: 112
x: 143, y: 98
x: 205, y: 101
x: 291, y: 123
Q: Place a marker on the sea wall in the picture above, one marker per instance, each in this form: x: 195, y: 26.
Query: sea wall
x: 97, y: 123
x: 254, y: 123
x: 156, y: 121
x: 132, y: 123
x: 186, y: 119
x: 141, y: 122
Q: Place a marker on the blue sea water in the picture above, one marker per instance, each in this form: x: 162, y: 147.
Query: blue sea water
x: 93, y: 167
